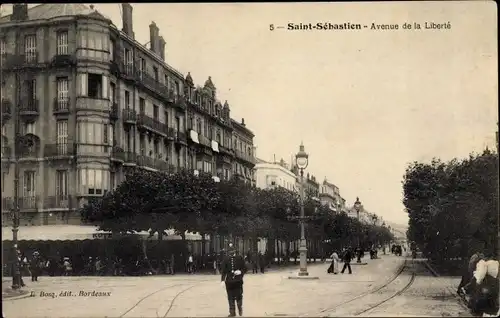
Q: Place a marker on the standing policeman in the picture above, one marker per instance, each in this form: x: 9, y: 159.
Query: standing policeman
x: 233, y: 268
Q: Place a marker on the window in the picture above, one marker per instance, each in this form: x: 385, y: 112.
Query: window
x: 142, y: 66
x: 62, y: 93
x: 177, y: 88
x: 207, y: 167
x: 142, y: 144
x: 129, y: 57
x: 218, y: 136
x: 62, y: 132
x: 29, y: 182
x: 198, y: 125
x: 30, y: 48
x: 166, y: 82
x: 62, y: 42
x: 127, y: 99
x: 177, y: 123
x: 112, y: 134
x: 30, y: 89
x: 166, y: 118
x: 128, y: 141
x: 94, y: 181
x: 29, y: 128
x: 94, y: 85
x: 3, y: 47
x: 112, y: 46
x: 91, y: 137
x: 156, y: 112
x: 112, y: 92
x: 61, y: 183
x: 156, y: 149
x: 112, y: 180
x: 155, y: 73
x: 105, y: 134
x: 142, y: 105
x: 191, y: 122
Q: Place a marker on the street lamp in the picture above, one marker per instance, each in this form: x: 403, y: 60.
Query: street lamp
x: 302, y: 161
x: 357, y: 207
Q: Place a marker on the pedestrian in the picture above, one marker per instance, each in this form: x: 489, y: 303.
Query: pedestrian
x: 255, y: 263
x: 262, y: 262
x: 190, y: 262
x: 36, y: 265
x: 468, y: 270
x: 347, y: 257
x: 67, y: 268
x: 335, y: 262
x: 233, y: 269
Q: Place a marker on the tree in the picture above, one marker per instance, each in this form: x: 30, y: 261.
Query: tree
x: 453, y: 206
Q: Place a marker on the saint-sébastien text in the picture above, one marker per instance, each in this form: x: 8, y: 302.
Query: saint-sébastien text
x: 323, y: 26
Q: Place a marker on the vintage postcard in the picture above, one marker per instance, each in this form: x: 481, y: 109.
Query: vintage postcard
x: 250, y: 159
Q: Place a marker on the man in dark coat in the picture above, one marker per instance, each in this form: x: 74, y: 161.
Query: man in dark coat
x: 347, y: 257
x: 233, y: 269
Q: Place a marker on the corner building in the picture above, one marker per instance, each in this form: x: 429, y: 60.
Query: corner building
x: 90, y: 102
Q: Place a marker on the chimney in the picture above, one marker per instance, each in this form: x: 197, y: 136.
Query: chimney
x: 161, y: 47
x: 19, y: 12
x: 128, y: 28
x: 154, y: 33
x: 243, y: 122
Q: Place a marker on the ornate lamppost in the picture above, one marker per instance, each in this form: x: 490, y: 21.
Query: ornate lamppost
x: 302, y: 161
x: 357, y: 207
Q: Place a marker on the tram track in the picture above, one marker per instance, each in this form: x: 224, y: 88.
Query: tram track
x: 396, y: 275
x: 191, y: 284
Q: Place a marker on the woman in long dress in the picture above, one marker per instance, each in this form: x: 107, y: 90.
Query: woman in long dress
x: 335, y: 262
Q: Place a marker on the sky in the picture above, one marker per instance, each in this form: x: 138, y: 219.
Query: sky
x: 365, y: 103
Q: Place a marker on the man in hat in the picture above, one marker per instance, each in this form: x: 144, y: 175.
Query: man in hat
x: 36, y: 265
x: 233, y: 268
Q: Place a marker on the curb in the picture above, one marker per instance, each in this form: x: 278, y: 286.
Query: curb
x: 27, y: 294
x: 434, y: 273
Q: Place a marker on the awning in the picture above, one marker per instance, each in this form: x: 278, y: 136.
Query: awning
x: 77, y: 232
x: 194, y: 136
x: 215, y: 146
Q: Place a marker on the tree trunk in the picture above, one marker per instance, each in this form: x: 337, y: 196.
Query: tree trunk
x: 160, y: 235
x: 203, y: 243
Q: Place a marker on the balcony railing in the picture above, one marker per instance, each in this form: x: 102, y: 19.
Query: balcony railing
x: 151, y: 123
x: 6, y: 108
x: 127, y: 70
x: 59, y: 150
x: 29, y: 106
x: 28, y: 202
x: 20, y: 60
x: 171, y: 133
x: 63, y: 60
x: 117, y: 153
x: 158, y: 164
x: 6, y: 152
x: 224, y: 150
x: 130, y: 157
x: 61, y: 105
x: 205, y: 141
x: 58, y: 202
x: 244, y: 156
x: 129, y: 116
x: 181, y: 137
x: 113, y: 114
x: 7, y: 204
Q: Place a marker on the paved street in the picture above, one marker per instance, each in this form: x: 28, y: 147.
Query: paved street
x: 271, y: 294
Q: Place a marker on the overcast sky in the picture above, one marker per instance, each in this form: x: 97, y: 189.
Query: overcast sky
x: 365, y: 103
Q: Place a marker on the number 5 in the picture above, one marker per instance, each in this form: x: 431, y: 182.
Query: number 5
x: 271, y: 27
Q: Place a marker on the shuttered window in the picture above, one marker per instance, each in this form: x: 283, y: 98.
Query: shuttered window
x: 62, y: 42
x: 29, y: 184
x: 61, y: 183
x: 30, y: 48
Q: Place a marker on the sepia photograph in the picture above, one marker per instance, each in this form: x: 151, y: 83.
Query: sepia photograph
x: 261, y: 159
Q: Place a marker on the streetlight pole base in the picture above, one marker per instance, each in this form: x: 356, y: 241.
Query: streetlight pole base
x: 299, y: 277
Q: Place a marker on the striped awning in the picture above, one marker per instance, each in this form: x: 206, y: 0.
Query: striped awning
x: 77, y: 232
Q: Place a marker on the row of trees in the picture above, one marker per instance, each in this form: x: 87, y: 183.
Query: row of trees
x: 159, y: 201
x: 453, y: 206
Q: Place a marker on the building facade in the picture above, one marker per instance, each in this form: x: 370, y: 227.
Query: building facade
x: 269, y: 175
x: 89, y: 102
x: 328, y: 195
